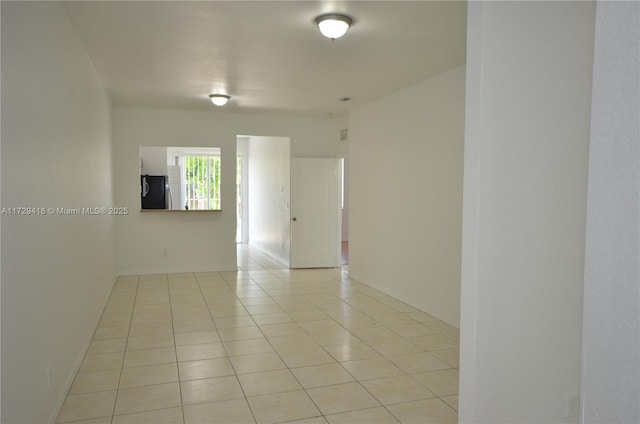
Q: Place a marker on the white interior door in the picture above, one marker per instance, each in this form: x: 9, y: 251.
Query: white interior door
x: 314, y: 213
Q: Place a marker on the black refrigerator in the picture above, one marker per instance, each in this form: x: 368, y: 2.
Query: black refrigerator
x: 154, y: 191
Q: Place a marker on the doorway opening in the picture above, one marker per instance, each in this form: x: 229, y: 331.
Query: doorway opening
x: 301, y: 230
x: 262, y: 194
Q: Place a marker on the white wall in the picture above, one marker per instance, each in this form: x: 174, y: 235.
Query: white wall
x: 269, y: 196
x: 178, y: 242
x: 526, y: 146
x: 406, y: 157
x: 153, y: 160
x: 611, y: 335
x: 57, y: 271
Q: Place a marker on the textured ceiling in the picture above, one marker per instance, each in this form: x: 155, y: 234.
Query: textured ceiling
x: 268, y: 55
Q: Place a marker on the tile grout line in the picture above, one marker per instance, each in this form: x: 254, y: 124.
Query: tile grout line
x: 124, y: 354
x: 284, y: 362
x: 308, y: 333
x: 235, y: 374
x: 356, y: 380
x: 385, y: 357
x: 307, y: 286
x: 288, y: 368
x: 276, y: 352
x: 175, y: 348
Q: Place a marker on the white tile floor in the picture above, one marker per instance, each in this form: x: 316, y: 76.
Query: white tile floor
x: 266, y: 345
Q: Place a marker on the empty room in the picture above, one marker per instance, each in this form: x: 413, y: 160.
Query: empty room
x: 319, y: 212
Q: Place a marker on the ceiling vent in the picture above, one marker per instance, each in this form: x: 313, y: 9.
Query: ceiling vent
x: 343, y: 134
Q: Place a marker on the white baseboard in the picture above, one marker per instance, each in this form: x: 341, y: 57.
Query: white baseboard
x: 149, y: 271
x: 409, y: 302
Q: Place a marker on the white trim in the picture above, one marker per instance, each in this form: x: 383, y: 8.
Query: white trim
x: 470, y: 209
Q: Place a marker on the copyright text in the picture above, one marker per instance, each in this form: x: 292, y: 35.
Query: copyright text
x: 62, y: 211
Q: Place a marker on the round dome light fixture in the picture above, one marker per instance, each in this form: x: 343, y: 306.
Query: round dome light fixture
x: 219, y: 99
x: 333, y: 25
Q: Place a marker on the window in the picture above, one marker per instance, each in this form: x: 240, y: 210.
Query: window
x: 190, y: 176
x: 202, y: 181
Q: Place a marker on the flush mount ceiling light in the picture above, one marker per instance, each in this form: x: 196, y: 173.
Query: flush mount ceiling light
x: 219, y: 99
x: 333, y: 25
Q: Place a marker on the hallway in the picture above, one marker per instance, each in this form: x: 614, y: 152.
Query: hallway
x: 234, y: 347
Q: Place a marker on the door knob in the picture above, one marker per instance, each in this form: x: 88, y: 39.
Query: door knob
x: 294, y: 219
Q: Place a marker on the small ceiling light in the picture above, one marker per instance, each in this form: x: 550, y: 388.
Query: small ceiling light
x: 219, y: 99
x: 333, y: 25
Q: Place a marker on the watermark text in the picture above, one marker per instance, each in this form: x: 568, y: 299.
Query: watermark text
x: 63, y: 211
